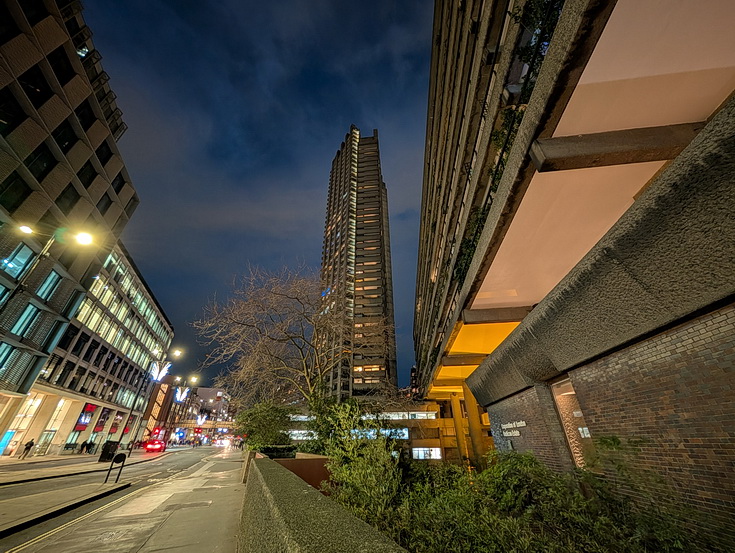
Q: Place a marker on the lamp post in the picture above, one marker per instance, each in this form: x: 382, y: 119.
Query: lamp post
x: 82, y: 238
x: 164, y: 365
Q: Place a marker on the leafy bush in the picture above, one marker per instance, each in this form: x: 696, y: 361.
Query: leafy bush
x: 263, y: 425
x: 517, y: 504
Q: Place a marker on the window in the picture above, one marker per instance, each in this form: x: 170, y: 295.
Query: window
x: 40, y: 162
x: 34, y: 10
x: 65, y: 136
x: 11, y: 114
x: 104, y: 204
x: 87, y: 174
x: 85, y: 115
x: 118, y: 183
x: 13, y: 192
x: 6, y: 350
x: 17, y: 261
x: 26, y: 320
x: 8, y: 28
x: 67, y: 199
x: 61, y: 65
x: 49, y: 285
x: 68, y: 257
x: 4, y: 293
x: 132, y: 205
x: 104, y: 153
x: 35, y: 86
x: 426, y: 453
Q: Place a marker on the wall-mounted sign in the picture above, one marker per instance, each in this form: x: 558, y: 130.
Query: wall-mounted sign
x: 509, y: 428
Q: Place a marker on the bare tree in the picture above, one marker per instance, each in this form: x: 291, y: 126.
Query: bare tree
x: 273, y: 333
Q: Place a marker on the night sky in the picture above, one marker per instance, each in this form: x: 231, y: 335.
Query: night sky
x: 235, y: 110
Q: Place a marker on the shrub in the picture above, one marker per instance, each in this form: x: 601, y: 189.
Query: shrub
x: 265, y: 424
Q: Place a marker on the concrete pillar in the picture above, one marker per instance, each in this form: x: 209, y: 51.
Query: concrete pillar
x: 69, y: 421
x: 475, y: 424
x: 459, y: 427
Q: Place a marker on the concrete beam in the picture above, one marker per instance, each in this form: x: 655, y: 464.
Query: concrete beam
x: 612, y: 148
x: 497, y: 315
x: 668, y: 257
x: 461, y: 360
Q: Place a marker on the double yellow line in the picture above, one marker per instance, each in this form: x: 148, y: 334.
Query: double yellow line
x: 58, y: 529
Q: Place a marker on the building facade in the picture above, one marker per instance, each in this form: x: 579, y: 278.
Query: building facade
x: 60, y: 173
x: 576, y: 268
x: 96, y: 383
x: 356, y: 270
x: 202, y: 415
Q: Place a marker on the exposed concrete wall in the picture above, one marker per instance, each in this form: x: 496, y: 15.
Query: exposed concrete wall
x: 670, y: 255
x: 282, y: 513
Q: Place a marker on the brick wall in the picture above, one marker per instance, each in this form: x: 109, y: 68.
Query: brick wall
x: 542, y: 434
x: 675, y: 391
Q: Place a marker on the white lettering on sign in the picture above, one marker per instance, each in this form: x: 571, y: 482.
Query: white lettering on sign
x: 515, y: 424
x: 511, y: 433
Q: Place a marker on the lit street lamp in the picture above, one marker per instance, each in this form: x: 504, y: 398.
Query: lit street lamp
x: 82, y: 238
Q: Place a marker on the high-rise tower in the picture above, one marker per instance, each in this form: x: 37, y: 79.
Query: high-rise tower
x: 356, y: 269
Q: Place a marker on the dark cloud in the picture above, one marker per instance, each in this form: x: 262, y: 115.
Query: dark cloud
x: 235, y: 110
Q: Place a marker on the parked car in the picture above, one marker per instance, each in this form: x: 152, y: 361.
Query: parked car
x: 155, y: 445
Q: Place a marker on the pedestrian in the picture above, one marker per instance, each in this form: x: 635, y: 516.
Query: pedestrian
x: 83, y: 447
x: 27, y: 449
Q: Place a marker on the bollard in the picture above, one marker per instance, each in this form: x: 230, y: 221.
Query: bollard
x: 118, y: 459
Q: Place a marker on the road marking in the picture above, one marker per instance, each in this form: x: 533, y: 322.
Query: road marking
x: 58, y: 529
x: 71, y: 523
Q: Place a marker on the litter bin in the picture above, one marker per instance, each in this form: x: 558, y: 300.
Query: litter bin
x: 108, y: 451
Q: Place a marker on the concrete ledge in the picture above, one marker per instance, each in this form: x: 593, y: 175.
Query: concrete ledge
x: 282, y: 513
x: 32, y: 519
x: 669, y: 257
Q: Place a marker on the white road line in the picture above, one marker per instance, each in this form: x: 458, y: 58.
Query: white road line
x: 58, y: 529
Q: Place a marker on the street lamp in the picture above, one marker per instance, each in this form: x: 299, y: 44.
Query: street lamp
x: 82, y: 238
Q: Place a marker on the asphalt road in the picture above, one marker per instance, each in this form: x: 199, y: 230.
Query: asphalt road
x: 70, y: 461
x: 140, y: 476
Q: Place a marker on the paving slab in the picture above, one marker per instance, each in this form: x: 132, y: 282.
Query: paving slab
x: 23, y: 512
x: 197, y: 510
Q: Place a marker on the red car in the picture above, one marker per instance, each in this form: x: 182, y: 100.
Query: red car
x: 155, y: 446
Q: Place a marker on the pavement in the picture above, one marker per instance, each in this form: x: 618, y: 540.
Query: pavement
x: 195, y: 510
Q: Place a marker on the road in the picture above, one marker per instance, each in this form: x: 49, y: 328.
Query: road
x: 140, y: 476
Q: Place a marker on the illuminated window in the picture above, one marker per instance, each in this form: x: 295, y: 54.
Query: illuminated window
x: 426, y: 453
x: 16, y: 262
x: 49, y: 285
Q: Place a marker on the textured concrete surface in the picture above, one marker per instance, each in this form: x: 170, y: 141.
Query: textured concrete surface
x: 671, y: 254
x: 282, y: 513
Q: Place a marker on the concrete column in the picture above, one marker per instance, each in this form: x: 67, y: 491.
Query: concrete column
x: 67, y: 425
x: 459, y: 427
x: 475, y: 424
